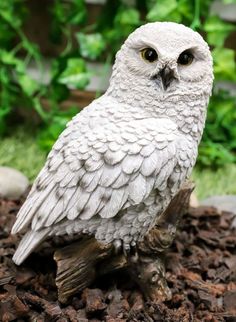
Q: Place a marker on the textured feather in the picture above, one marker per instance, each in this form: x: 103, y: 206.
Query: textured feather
x: 149, y: 164
x: 30, y: 208
x: 131, y: 163
x: 137, y: 189
x: 94, y: 202
x: 110, y: 173
x: 32, y: 239
x: 114, y: 203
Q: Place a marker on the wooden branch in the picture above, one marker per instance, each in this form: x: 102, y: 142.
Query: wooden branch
x: 76, y: 266
x: 79, y: 263
x: 161, y: 236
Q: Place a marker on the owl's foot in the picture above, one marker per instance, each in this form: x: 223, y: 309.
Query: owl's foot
x: 129, y: 249
x: 131, y: 252
x: 117, y: 246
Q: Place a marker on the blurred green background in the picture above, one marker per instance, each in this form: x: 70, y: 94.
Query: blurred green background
x: 56, y: 56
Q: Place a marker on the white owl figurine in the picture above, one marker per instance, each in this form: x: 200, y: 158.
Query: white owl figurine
x: 119, y: 162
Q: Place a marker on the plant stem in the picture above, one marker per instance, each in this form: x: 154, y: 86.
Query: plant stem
x: 39, y: 109
x: 196, y: 23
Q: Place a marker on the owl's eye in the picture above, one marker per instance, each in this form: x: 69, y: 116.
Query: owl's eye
x: 185, y: 58
x: 149, y: 54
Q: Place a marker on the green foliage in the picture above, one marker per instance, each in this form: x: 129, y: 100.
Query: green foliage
x: 219, y: 137
x: 14, y: 81
x: 48, y: 135
x: 160, y: 11
x: 75, y: 74
x: 92, y: 45
x: 217, y: 30
x: 211, y: 182
x: 224, y: 64
x: 100, y: 41
x: 19, y: 150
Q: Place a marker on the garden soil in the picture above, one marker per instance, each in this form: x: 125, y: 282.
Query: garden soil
x: 201, y: 273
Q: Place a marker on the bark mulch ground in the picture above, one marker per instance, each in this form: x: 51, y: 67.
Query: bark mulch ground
x: 201, y: 272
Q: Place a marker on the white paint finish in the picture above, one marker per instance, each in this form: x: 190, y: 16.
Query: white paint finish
x: 121, y: 160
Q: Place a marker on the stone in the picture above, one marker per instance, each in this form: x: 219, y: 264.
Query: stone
x: 193, y: 202
x: 223, y: 203
x: 13, y: 183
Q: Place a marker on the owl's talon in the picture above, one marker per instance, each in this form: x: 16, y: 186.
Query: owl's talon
x: 130, y: 251
x: 117, y: 246
x: 126, y: 250
x: 133, y: 243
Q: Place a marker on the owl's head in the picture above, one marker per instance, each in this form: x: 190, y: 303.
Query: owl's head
x: 165, y: 56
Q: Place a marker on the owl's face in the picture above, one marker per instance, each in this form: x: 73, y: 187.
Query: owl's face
x: 167, y: 55
x: 165, y: 70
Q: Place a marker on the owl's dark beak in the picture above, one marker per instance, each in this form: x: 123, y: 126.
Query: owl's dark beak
x: 167, y: 75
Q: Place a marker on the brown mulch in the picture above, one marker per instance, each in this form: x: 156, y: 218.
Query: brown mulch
x: 201, y: 272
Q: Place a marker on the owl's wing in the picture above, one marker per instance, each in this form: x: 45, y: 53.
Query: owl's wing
x: 99, y: 172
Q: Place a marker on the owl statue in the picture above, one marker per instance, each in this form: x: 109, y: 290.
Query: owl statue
x: 119, y: 162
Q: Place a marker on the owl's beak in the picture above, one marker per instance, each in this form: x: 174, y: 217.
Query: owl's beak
x: 167, y: 75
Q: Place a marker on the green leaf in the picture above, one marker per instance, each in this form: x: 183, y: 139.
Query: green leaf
x: 78, y: 18
x: 39, y: 109
x: 4, y: 110
x: 185, y: 8
x: 3, y: 125
x: 229, y: 1
x: 58, y: 12
x: 75, y: 74
x: 162, y: 10
x: 13, y: 20
x: 46, y: 140
x: 125, y: 21
x: 219, y: 138
x: 79, y: 81
x: 71, y: 12
x: 58, y: 92
x: 8, y: 58
x: 50, y: 133
x: 217, y: 30
x: 6, y: 35
x: 92, y: 45
x: 28, y: 85
x: 212, y: 153
x: 224, y: 64
x: 77, y: 13
x: 128, y: 16
x: 31, y: 48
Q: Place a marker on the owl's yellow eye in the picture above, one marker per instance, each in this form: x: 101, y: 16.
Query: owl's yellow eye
x: 185, y: 58
x: 149, y: 54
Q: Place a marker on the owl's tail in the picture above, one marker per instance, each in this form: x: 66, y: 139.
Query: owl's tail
x: 28, y: 244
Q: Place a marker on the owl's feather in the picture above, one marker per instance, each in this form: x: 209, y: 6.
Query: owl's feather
x: 117, y: 165
x: 97, y: 188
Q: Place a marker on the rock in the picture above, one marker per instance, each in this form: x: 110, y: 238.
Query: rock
x: 13, y: 183
x: 193, y: 202
x: 224, y: 203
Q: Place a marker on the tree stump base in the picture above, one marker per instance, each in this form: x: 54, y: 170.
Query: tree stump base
x: 81, y: 262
